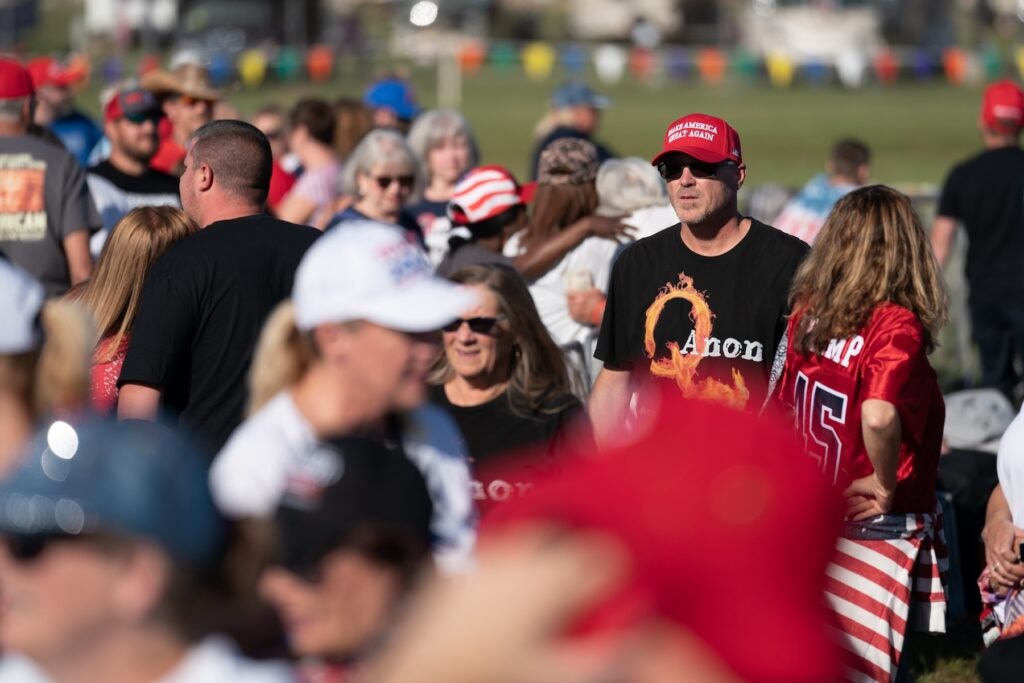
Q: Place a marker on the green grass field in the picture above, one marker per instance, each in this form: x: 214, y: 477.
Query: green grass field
x: 915, y: 130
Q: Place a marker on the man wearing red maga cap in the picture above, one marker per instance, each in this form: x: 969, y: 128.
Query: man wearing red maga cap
x: 45, y: 209
x: 702, y: 303
x: 984, y: 194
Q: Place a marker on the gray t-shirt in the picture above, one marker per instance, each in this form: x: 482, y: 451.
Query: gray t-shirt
x: 43, y: 199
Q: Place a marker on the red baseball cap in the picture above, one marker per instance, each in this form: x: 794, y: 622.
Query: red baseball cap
x: 729, y: 527
x: 48, y: 71
x: 15, y: 80
x: 1002, y: 107
x: 703, y: 137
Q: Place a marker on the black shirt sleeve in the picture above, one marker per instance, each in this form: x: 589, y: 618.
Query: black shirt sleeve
x: 949, y: 199
x: 162, y: 334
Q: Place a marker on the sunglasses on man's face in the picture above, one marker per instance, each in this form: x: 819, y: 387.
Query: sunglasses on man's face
x: 139, y: 119
x: 478, y: 325
x: 30, y: 547
x: 189, y: 101
x: 404, y: 181
x: 673, y: 170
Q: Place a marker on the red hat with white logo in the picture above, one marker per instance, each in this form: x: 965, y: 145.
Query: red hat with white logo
x: 15, y: 80
x: 1002, y: 107
x: 48, y: 71
x: 703, y: 137
x: 484, y: 193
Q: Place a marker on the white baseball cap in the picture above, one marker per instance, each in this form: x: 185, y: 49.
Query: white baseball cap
x: 21, y: 299
x: 366, y: 270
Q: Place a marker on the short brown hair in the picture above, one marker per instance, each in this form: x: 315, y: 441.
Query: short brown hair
x: 239, y: 155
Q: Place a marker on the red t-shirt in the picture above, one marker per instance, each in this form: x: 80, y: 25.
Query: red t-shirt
x: 886, y: 360
x: 281, y: 181
x: 168, y: 158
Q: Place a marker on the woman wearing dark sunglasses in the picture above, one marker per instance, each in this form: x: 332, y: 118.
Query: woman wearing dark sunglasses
x: 504, y: 380
x: 379, y: 179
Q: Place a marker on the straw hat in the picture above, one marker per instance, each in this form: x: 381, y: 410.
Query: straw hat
x: 186, y: 79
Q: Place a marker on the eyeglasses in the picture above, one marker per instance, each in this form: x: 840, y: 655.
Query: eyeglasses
x: 673, y: 170
x: 404, y: 181
x: 478, y: 325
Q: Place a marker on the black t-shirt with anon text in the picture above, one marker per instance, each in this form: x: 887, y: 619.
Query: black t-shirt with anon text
x: 709, y: 324
x: 203, y: 305
x: 986, y: 193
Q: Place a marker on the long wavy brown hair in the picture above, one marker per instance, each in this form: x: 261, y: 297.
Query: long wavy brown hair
x: 540, y: 380
x: 871, y: 249
x: 113, y: 292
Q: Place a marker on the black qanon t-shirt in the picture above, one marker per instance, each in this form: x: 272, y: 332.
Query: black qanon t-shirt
x: 202, y: 308
x: 711, y: 325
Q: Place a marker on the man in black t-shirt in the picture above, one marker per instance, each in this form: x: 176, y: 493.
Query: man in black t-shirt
x: 986, y: 194
x: 205, y: 300
x: 125, y: 180
x: 702, y: 303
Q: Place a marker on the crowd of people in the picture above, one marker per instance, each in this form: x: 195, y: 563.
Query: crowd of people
x: 325, y: 396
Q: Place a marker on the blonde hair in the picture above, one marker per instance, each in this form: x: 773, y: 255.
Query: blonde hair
x: 56, y: 377
x: 113, y: 292
x: 872, y: 249
x: 283, y: 354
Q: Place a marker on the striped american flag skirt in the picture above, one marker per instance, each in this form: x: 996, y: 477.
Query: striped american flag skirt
x: 884, y: 568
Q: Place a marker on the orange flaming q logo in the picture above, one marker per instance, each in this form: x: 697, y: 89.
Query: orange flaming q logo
x: 683, y: 368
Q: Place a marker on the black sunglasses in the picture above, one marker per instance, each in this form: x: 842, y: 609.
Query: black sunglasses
x: 478, y: 325
x: 673, y: 170
x: 29, y: 547
x: 139, y: 119
x: 404, y: 181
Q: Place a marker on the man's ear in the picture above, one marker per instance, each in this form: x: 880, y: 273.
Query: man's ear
x: 204, y: 177
x: 741, y: 175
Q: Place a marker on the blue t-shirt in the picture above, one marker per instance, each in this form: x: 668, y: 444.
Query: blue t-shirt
x: 79, y: 135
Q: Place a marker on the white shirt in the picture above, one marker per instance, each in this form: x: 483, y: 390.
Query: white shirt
x: 593, y: 255
x: 249, y: 475
x: 1010, y: 467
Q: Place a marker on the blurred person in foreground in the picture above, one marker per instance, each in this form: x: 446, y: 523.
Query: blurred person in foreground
x: 630, y: 567
x: 490, y: 205
x: 44, y: 360
x: 446, y: 148
x: 46, y: 213
x: 848, y: 167
x: 563, y: 206
x: 348, y: 356
x: 701, y: 304
x: 575, y: 112
x: 112, y: 294
x: 868, y: 304
x: 205, y: 299
x: 56, y: 110
x: 983, y: 194
x: 505, y: 381
x: 124, y: 180
x: 270, y: 119
x: 353, y: 536
x: 382, y: 174
x: 109, y: 543
x: 310, y: 138
x: 187, y: 99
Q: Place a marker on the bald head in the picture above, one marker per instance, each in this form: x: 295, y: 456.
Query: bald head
x: 239, y: 156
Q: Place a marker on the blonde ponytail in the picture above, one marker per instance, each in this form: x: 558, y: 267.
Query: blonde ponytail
x: 283, y: 354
